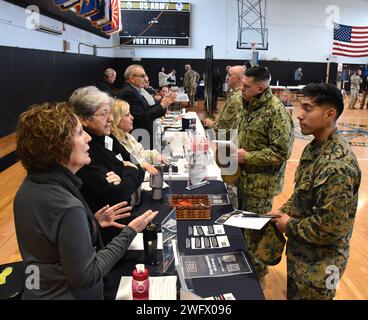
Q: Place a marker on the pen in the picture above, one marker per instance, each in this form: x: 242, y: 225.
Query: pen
x: 249, y: 215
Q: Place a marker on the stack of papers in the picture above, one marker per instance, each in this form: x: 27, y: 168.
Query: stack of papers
x: 243, y: 219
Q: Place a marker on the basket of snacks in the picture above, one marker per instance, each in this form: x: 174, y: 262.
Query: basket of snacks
x: 191, y: 206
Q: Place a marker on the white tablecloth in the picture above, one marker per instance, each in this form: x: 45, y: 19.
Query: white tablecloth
x: 178, y: 141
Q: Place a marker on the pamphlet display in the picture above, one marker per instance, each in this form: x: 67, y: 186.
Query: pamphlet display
x: 215, y: 265
x: 213, y: 242
x: 207, y: 237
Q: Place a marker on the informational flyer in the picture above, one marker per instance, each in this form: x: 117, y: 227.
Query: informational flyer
x: 244, y: 219
x: 215, y: 265
x: 214, y: 242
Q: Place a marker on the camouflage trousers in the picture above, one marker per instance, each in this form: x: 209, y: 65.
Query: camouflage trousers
x: 306, y: 280
x: 297, y: 290
x: 265, y: 246
x: 191, y: 100
x: 191, y: 91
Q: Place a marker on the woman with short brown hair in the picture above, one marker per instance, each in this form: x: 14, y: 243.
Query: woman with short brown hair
x: 56, y: 231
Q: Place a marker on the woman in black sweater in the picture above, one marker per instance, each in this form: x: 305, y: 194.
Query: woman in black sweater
x: 111, y: 176
x: 56, y: 231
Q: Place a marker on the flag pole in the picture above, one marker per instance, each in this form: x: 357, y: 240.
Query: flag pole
x: 328, y: 70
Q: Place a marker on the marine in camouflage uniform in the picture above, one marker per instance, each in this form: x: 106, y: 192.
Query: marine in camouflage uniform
x: 228, y: 120
x: 355, y: 81
x: 191, y: 78
x: 318, y: 218
x: 233, y: 107
x: 322, y: 210
x: 266, y: 133
x: 226, y: 129
x: 231, y: 111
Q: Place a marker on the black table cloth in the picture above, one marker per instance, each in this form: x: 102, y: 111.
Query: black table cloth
x: 243, y: 287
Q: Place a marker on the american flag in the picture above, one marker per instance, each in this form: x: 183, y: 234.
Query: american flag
x: 350, y: 41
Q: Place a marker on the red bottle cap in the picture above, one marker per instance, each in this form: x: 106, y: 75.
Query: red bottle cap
x: 140, y: 273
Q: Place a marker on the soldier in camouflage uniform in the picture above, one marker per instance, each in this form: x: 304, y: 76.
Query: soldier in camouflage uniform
x: 233, y: 107
x: 191, y: 79
x: 228, y: 120
x: 265, y: 142
x: 318, y: 219
x: 355, y: 81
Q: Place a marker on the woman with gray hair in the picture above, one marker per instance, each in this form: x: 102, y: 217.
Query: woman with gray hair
x: 110, y: 177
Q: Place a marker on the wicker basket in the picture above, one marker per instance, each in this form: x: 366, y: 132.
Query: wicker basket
x: 191, y: 207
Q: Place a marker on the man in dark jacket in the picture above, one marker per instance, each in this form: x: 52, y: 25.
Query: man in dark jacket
x: 143, y: 114
x: 106, y: 84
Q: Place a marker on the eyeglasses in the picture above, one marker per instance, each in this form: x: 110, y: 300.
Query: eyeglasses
x: 140, y: 75
x: 105, y: 114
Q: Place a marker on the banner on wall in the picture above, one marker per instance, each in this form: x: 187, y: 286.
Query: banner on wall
x: 103, y: 14
x: 115, y: 25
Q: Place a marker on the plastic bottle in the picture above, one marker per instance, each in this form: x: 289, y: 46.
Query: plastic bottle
x: 140, y: 283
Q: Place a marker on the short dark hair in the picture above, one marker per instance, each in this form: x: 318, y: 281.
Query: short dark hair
x: 325, y: 94
x: 259, y: 74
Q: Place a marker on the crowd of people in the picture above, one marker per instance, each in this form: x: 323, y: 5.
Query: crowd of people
x: 84, y: 164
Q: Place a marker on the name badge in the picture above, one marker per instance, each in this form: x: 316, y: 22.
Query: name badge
x: 108, y: 143
x: 119, y: 157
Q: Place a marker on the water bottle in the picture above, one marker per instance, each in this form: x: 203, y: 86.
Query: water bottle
x: 156, y: 183
x: 140, y: 283
x: 150, y: 244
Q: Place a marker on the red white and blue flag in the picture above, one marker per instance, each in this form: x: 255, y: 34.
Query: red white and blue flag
x: 350, y: 41
x: 115, y: 25
x: 104, y: 14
